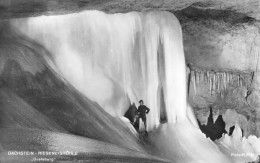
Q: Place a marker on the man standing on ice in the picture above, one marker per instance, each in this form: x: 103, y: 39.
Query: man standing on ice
x: 142, y: 111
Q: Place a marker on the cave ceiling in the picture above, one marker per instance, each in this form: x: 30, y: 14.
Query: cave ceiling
x: 21, y: 8
x: 219, y: 34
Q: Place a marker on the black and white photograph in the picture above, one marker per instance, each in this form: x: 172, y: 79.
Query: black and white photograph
x: 130, y: 81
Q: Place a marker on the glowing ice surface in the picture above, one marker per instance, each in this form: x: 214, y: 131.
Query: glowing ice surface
x: 184, y: 143
x: 115, y: 59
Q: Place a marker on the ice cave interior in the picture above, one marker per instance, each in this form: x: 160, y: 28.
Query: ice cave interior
x: 72, y: 73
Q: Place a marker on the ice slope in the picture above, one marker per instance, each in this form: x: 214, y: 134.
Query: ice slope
x: 76, y: 148
x: 33, y: 95
x: 184, y: 143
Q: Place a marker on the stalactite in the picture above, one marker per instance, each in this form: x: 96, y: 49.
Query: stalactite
x: 217, y: 81
x: 189, y: 79
x: 224, y: 80
x: 210, y: 84
x: 214, y: 83
x: 198, y: 77
x: 207, y: 76
x: 202, y: 76
x: 195, y: 77
x: 194, y: 82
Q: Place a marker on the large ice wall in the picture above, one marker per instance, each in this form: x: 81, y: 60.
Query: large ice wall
x: 117, y: 59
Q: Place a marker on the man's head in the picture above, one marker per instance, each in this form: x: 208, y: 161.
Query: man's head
x: 141, y: 102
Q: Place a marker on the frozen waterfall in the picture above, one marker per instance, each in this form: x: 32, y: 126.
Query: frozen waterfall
x: 115, y: 59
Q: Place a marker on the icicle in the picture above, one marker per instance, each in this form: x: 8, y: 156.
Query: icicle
x: 207, y: 73
x: 218, y: 82
x: 202, y: 76
x: 198, y: 77
x: 221, y: 81
x: 224, y: 80
x: 214, y: 82
x: 210, y: 84
x: 193, y: 76
x: 231, y: 77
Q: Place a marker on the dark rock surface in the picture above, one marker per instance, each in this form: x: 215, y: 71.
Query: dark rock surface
x: 131, y: 112
x: 219, y: 39
x: 213, y: 130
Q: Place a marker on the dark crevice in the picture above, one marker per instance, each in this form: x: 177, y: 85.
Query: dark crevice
x: 189, y: 79
x: 213, y: 130
x: 163, y: 112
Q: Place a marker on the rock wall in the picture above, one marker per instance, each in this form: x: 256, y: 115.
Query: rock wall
x: 222, y: 50
x: 228, y: 93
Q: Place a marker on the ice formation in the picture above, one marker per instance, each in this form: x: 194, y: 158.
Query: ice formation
x: 231, y: 117
x: 184, y: 143
x: 118, y: 58
x: 217, y: 80
x: 238, y: 148
x: 129, y: 125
